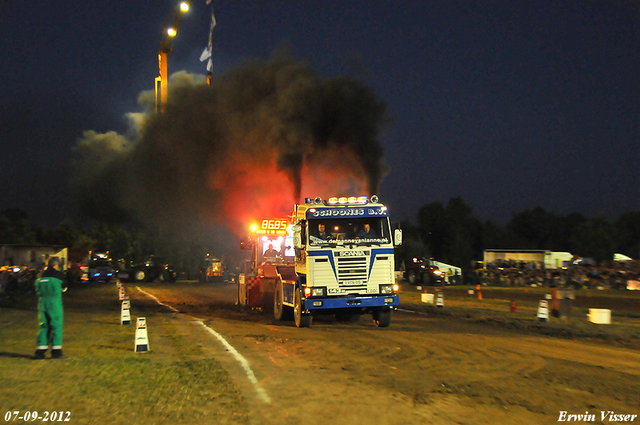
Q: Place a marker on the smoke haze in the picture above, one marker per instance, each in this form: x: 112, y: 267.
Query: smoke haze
x: 247, y: 147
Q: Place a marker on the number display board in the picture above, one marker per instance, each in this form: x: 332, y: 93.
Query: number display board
x: 272, y: 226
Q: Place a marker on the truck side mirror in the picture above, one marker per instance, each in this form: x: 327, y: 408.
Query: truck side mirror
x: 297, y: 237
x: 397, y: 237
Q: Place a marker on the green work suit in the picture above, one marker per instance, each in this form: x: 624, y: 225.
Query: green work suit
x: 50, y: 316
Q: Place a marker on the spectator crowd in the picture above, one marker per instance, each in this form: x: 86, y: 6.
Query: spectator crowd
x: 619, y: 275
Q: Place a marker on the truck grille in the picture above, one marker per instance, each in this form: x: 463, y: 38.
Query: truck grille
x: 352, y: 271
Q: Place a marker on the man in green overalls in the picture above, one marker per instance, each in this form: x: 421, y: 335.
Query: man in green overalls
x: 49, y: 290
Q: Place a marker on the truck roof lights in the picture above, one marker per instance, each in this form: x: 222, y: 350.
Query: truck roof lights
x: 344, y: 200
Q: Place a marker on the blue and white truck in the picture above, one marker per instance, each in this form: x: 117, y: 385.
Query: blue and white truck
x: 333, y: 256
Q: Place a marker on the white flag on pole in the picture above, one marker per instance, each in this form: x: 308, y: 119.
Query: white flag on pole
x: 206, y: 54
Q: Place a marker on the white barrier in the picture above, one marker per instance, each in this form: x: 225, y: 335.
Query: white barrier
x: 427, y: 298
x: 142, y: 339
x: 599, y: 316
x: 125, y: 315
x: 543, y: 311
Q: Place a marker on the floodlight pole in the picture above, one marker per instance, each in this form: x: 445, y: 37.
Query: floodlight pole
x: 165, y: 48
x: 162, y: 82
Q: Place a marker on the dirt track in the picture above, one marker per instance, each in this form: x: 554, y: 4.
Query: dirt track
x: 421, y: 370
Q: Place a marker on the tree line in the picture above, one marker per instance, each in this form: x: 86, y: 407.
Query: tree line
x: 452, y: 234
x: 449, y: 233
x: 125, y: 243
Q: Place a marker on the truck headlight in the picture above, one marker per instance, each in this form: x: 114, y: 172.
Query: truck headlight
x: 318, y: 292
x: 386, y: 289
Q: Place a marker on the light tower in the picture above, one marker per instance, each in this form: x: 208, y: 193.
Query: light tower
x: 165, y: 48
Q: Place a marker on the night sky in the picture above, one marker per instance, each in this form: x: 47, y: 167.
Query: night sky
x: 510, y: 105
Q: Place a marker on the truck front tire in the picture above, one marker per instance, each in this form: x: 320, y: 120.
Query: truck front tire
x: 382, y: 317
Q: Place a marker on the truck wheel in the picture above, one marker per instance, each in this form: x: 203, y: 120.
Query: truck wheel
x: 412, y: 277
x: 139, y: 275
x: 280, y: 311
x: 382, y: 317
x: 278, y: 301
x: 303, y: 320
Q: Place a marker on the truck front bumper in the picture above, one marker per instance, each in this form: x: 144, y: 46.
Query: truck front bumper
x: 351, y: 302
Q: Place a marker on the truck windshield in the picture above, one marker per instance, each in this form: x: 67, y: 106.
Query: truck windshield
x: 276, y: 250
x: 349, y: 231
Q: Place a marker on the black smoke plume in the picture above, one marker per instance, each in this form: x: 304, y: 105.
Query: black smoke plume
x: 247, y: 146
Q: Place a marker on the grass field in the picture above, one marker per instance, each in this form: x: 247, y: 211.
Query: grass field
x: 624, y: 330
x: 101, y: 379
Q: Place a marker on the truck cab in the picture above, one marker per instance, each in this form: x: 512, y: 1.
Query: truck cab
x: 344, y: 260
x: 333, y: 256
